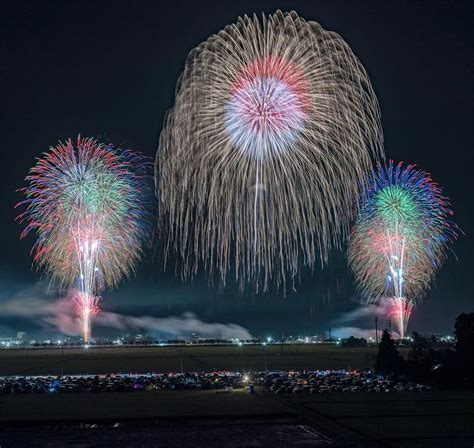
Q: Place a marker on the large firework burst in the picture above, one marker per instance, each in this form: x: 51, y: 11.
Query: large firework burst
x: 261, y: 160
x: 400, y: 238
x: 86, y: 206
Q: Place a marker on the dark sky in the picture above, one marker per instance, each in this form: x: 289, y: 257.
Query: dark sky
x: 109, y: 69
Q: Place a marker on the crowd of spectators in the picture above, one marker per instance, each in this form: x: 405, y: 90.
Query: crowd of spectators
x: 271, y: 382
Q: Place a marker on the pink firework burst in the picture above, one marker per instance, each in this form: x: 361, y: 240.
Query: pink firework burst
x: 400, y: 311
x: 87, y: 308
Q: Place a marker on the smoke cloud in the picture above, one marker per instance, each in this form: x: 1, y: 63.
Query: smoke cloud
x: 60, y: 316
x: 360, y: 321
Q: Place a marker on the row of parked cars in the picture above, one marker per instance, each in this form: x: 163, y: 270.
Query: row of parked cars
x: 119, y: 382
x: 269, y: 382
x: 332, y: 381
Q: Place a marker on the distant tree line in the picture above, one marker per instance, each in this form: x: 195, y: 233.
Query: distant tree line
x: 353, y: 342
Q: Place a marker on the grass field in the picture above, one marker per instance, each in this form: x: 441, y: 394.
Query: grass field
x: 403, y: 420
x: 96, y: 360
x: 205, y: 418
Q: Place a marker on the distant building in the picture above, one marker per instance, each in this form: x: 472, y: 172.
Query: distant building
x: 21, y: 335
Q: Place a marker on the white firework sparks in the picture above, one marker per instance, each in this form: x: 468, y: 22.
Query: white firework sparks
x: 262, y: 159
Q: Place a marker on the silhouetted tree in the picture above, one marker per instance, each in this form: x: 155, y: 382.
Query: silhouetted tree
x: 352, y: 342
x: 444, y: 367
x: 421, y: 358
x: 388, y: 359
x: 464, y: 331
x: 419, y: 350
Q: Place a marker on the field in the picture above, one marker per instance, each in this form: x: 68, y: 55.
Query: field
x: 207, y: 418
x: 96, y: 360
x: 401, y: 419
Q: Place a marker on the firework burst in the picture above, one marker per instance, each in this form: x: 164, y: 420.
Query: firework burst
x: 400, y: 238
x: 86, y: 206
x: 262, y: 158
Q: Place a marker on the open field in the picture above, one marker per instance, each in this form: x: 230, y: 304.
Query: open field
x: 206, y: 418
x: 96, y: 360
x: 172, y: 419
x: 175, y: 405
x: 404, y: 419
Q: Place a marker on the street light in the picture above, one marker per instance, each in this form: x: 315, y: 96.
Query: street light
x: 265, y: 356
x: 241, y: 359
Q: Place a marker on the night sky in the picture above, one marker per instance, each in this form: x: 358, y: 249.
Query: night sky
x: 109, y: 69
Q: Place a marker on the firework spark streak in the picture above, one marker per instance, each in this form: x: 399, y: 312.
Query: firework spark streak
x: 85, y: 202
x: 400, y: 238
x: 87, y: 307
x: 400, y: 311
x: 262, y: 159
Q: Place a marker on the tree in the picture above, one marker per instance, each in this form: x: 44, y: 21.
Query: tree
x: 388, y: 359
x: 352, y: 342
x: 419, y: 350
x: 464, y: 331
x: 421, y: 358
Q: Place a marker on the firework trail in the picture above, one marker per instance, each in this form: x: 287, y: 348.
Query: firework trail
x: 400, y: 238
x: 86, y: 204
x: 262, y: 158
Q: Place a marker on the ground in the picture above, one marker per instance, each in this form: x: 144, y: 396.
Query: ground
x: 53, y: 361
x: 217, y: 419
x: 208, y: 418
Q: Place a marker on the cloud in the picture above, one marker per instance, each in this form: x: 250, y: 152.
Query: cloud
x: 345, y: 332
x: 363, y: 313
x: 179, y: 326
x: 60, y: 315
x: 359, y: 322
